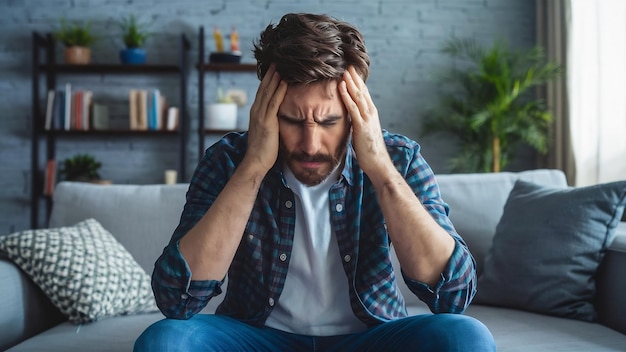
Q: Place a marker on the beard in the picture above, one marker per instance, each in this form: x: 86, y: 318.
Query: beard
x: 313, y: 176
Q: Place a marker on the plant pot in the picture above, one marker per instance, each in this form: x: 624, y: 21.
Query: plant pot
x: 221, y: 116
x: 77, y: 55
x: 133, y: 56
x: 101, y: 182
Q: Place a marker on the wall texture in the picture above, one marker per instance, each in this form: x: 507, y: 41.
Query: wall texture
x: 403, y: 38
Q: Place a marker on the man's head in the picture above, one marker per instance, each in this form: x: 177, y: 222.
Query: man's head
x: 311, y: 53
x: 309, y: 48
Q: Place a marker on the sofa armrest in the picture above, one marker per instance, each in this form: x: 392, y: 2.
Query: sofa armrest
x: 611, y: 284
x: 26, y: 311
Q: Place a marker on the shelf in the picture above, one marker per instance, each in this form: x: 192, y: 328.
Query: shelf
x: 46, y: 70
x: 111, y: 132
x: 109, y: 68
x: 204, y: 67
x: 227, y: 67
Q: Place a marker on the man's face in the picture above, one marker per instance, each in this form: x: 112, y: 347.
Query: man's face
x: 314, y: 130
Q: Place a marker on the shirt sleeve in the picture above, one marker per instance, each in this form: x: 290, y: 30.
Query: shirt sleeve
x: 177, y: 296
x: 455, y: 289
x: 457, y: 286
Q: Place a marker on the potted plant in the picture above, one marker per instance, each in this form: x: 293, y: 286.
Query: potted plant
x: 134, y: 36
x: 487, y: 103
x: 82, y: 168
x: 77, y: 39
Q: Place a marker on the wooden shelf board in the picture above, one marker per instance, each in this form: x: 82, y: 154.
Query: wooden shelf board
x: 112, y: 132
x: 227, y: 67
x: 110, y: 68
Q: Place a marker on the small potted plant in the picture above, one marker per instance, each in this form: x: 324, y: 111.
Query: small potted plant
x: 77, y: 39
x: 134, y: 36
x: 82, y: 168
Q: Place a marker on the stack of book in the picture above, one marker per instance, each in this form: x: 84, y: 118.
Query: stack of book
x: 148, y: 110
x: 68, y: 110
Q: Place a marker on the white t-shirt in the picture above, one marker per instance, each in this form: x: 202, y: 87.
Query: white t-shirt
x: 315, y: 298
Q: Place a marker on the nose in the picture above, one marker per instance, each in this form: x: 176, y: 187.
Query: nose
x: 310, y: 143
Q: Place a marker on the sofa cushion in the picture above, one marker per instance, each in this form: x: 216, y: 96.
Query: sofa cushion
x: 548, y: 246
x: 84, y: 271
x: 476, y: 202
x: 141, y: 217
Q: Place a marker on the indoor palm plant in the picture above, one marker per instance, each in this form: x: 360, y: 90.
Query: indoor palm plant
x: 487, y: 102
x: 77, y: 38
x: 134, y: 35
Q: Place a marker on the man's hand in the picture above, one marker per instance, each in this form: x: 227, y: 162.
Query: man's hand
x: 367, y: 136
x: 263, y: 131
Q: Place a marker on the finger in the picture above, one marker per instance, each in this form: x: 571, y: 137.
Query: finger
x: 266, y: 79
x: 356, y: 93
x: 277, y: 99
x: 363, y: 92
x: 265, y: 92
x: 348, y: 102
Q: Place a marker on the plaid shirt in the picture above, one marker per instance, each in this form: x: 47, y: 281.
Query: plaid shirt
x: 258, y: 271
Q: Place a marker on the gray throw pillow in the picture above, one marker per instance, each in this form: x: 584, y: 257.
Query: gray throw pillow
x: 547, y: 247
x: 84, y: 271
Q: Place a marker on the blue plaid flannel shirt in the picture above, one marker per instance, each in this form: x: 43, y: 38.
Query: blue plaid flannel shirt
x: 257, y: 274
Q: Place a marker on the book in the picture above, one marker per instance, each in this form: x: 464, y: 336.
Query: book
x: 142, y: 114
x: 48, y: 122
x: 156, y: 107
x: 133, y: 109
x: 59, y: 110
x: 86, y: 106
x: 50, y: 178
x: 67, y: 107
x: 77, y: 110
x: 172, y: 118
x: 163, y: 110
x: 100, y: 117
x: 153, y: 110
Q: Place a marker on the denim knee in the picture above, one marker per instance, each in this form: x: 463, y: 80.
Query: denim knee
x: 165, y: 335
x: 456, y: 332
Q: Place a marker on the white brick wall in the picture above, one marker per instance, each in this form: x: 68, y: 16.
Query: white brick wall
x: 403, y: 37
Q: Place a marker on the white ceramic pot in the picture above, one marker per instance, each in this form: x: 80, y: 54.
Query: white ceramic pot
x: 221, y: 116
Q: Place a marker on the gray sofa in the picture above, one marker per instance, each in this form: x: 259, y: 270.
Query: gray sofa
x: 142, y: 219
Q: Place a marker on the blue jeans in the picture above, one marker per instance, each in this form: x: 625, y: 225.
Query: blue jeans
x: 428, y: 332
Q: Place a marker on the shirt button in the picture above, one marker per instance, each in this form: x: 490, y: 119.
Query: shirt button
x: 271, y: 302
x: 288, y: 204
x: 250, y: 237
x: 283, y: 257
x: 184, y: 296
x: 347, y: 258
x: 339, y: 208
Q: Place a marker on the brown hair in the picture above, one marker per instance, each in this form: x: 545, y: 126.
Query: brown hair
x: 307, y: 48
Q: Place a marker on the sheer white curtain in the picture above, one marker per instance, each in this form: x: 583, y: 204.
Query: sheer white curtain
x: 597, y: 86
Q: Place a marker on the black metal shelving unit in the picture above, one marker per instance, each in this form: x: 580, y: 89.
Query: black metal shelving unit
x: 44, y: 67
x: 203, y: 67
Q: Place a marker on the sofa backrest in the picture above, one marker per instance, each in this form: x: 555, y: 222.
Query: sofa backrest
x: 141, y: 217
x: 477, y: 202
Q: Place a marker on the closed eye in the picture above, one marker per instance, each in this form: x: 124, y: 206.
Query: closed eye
x: 329, y: 121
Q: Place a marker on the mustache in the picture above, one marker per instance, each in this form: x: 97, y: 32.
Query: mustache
x: 311, y: 158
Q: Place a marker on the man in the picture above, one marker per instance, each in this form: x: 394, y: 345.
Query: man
x: 300, y: 212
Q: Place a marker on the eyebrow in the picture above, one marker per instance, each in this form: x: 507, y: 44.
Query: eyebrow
x: 329, y: 118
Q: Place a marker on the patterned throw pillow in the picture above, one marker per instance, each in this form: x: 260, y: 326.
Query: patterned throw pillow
x: 84, y: 271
